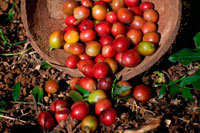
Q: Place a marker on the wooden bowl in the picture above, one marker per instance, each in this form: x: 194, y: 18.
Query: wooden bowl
x: 39, y: 25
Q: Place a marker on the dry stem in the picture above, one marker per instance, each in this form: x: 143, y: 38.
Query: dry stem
x: 14, y: 119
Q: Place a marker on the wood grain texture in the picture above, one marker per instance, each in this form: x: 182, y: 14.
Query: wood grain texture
x: 39, y: 25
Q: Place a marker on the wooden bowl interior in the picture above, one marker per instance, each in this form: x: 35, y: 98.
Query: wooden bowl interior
x: 39, y: 25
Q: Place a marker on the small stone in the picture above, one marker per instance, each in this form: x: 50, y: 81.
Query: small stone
x: 37, y: 67
x: 168, y: 122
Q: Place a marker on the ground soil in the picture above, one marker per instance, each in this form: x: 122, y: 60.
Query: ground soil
x: 174, y: 115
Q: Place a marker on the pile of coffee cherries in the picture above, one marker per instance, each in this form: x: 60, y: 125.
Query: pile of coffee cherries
x: 103, y: 36
x: 79, y: 110
x: 97, y: 108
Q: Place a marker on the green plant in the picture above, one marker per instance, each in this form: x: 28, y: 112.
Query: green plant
x: 4, y: 38
x: 186, y: 83
x: 186, y: 55
x: 183, y: 85
x: 11, y: 12
x: 37, y: 92
x: 6, y: 43
x: 160, y: 78
x: 116, y: 90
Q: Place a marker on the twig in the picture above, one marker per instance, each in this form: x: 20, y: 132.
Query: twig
x: 4, y: 111
x: 33, y: 52
x: 15, y: 119
x: 140, y: 108
x: 20, y: 102
x: 155, y: 122
x: 185, y: 120
x: 76, y: 128
x: 25, y: 49
x: 14, y: 54
x: 35, y: 105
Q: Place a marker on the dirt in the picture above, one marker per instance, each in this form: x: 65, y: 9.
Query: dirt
x: 174, y: 115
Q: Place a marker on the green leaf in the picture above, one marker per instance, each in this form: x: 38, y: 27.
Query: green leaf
x: 10, y: 15
x: 197, y: 49
x: 197, y: 40
x: 196, y: 84
x: 189, y: 80
x: 174, y: 90
x: 11, y: 11
x: 38, y: 93
x: 197, y: 71
x: 45, y: 65
x: 76, y: 96
x: 187, y: 94
x: 185, y: 56
x: 1, y: 111
x: 160, y: 75
x: 2, y: 103
x: 16, y: 91
x: 86, y: 95
x: 162, y: 91
x: 121, y: 89
x: 82, y: 90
